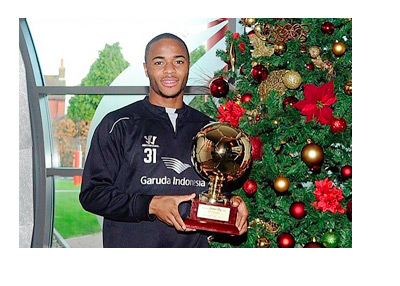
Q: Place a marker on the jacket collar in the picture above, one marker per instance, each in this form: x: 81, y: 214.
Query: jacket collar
x: 161, y: 110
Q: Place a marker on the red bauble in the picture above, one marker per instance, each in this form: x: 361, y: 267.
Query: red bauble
x: 219, y: 87
x: 349, y: 210
x: 256, y: 148
x: 298, y: 210
x: 314, y: 245
x: 315, y: 169
x: 289, y: 100
x: 250, y: 187
x: 346, y: 171
x: 310, y: 66
x: 246, y: 97
x: 259, y: 73
x: 328, y: 28
x: 338, y: 125
x: 285, y: 240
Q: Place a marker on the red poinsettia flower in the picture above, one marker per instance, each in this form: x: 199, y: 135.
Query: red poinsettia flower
x: 316, y: 102
x: 328, y: 197
x: 230, y: 112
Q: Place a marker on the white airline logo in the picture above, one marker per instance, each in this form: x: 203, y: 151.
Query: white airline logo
x: 175, y: 164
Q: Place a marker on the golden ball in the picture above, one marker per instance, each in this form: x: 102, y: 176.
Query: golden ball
x: 338, y: 48
x: 312, y: 154
x: 348, y: 88
x: 292, y: 79
x: 250, y: 21
x: 281, y: 184
x: 258, y: 29
x: 280, y: 48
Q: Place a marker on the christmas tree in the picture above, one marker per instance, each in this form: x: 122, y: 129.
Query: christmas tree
x: 288, y: 86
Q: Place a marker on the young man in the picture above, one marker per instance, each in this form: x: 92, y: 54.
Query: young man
x: 138, y: 173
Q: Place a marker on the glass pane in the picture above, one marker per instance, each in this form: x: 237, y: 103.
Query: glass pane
x: 70, y: 127
x: 69, y: 49
x: 73, y: 126
x: 73, y: 226
x: 66, y: 137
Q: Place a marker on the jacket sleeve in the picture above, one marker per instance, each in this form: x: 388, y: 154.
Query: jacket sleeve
x: 99, y: 194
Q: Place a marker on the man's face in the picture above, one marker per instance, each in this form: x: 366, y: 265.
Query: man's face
x: 167, y: 68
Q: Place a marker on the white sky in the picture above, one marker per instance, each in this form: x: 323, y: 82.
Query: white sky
x: 78, y: 41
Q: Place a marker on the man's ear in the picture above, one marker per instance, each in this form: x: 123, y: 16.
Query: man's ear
x: 145, y: 69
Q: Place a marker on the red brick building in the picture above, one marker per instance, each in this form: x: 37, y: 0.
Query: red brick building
x: 56, y: 102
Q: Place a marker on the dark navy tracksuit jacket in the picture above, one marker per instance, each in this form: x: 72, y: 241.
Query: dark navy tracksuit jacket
x: 134, y: 155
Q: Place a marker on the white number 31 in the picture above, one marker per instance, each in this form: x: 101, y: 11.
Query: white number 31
x: 151, y: 154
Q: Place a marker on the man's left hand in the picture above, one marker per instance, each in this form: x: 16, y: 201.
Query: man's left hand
x: 242, y: 215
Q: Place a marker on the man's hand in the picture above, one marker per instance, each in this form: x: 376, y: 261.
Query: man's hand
x: 166, y: 210
x: 242, y: 215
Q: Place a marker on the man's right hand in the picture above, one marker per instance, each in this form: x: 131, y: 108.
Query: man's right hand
x: 166, y: 210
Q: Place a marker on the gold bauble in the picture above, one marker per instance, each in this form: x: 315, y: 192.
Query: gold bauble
x: 263, y: 242
x: 281, y: 184
x: 258, y: 29
x: 312, y: 154
x: 280, y: 48
x: 338, y: 48
x: 250, y: 21
x: 348, y: 88
x: 292, y: 79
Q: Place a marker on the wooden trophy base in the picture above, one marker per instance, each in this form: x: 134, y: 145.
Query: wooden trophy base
x: 212, y: 217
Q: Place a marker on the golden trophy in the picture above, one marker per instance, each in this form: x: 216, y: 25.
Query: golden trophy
x: 220, y: 153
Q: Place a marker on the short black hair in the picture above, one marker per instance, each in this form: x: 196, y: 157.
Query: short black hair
x: 164, y: 36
